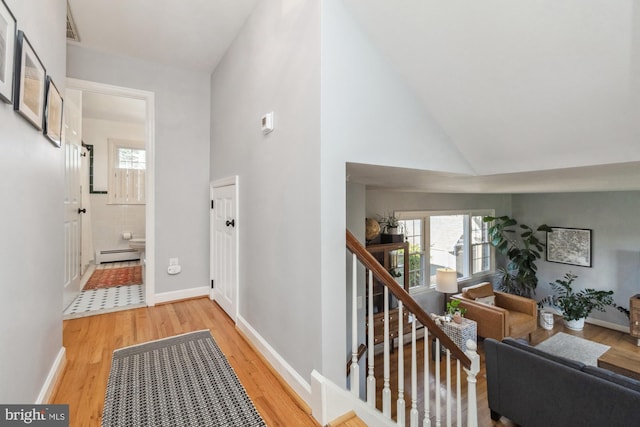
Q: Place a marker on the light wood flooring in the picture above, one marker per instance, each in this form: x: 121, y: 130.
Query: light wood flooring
x: 90, y: 342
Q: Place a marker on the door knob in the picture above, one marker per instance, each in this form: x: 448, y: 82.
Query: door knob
x: 82, y: 211
x: 231, y: 223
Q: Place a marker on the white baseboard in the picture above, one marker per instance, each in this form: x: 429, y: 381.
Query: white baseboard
x: 295, y: 381
x: 181, y: 294
x: 46, y: 392
x: 607, y: 325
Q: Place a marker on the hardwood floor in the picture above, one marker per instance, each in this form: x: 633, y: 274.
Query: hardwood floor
x: 90, y: 342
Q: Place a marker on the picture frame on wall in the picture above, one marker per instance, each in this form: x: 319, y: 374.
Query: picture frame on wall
x: 52, y: 124
x: 569, y: 246
x: 8, y: 27
x: 30, y: 77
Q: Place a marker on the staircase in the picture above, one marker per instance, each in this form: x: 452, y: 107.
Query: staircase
x: 440, y: 386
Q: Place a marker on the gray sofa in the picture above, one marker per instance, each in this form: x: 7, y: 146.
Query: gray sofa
x: 533, y: 388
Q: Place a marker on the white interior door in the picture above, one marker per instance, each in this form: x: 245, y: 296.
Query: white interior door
x: 224, y: 248
x: 72, y: 143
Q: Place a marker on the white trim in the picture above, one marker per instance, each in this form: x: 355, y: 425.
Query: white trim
x: 181, y: 294
x: 55, y: 373
x: 331, y: 401
x: 607, y: 325
x: 286, y: 371
x: 150, y: 140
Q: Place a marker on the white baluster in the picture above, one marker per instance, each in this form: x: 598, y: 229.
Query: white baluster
x: 458, y: 396
x: 472, y: 403
x: 386, y: 389
x: 355, y: 369
x: 437, y: 386
x: 400, y: 404
x: 426, y: 421
x: 413, y: 414
x: 371, y: 378
x: 448, y: 388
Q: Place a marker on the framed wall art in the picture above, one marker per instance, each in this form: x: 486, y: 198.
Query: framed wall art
x: 30, y: 83
x: 569, y: 246
x: 7, y: 52
x: 52, y: 123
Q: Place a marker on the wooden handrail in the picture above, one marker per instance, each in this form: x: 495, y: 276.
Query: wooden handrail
x: 369, y: 261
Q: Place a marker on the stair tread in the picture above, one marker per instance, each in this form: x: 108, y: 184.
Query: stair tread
x: 350, y: 419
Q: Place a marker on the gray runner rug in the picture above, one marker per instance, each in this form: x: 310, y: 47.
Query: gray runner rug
x: 574, y: 348
x: 178, y: 381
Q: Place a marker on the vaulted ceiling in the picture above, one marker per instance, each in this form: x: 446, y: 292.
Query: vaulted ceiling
x: 518, y: 86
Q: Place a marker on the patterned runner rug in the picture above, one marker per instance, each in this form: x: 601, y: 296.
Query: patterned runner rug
x: 574, y: 348
x: 110, y: 277
x: 178, y: 381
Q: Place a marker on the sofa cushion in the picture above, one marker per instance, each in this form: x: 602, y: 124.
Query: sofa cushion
x: 478, y: 291
x: 613, y: 377
x: 562, y: 360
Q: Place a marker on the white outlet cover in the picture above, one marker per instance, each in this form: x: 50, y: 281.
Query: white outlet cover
x: 174, y: 269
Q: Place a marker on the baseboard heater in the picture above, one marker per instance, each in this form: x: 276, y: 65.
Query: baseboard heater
x: 113, y: 255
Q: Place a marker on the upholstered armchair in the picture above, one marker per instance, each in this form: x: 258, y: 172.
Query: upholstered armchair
x: 499, y: 314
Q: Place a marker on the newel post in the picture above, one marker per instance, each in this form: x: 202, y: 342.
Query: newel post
x: 472, y: 403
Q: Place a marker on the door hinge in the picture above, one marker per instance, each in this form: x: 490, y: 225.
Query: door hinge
x: 212, y: 204
x: 212, y: 286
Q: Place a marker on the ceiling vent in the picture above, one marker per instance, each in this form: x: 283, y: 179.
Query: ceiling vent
x: 72, y: 31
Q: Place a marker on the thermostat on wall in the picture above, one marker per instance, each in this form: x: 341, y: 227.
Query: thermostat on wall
x: 267, y: 123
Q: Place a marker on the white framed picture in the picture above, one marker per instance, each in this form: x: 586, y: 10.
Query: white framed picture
x: 7, y: 52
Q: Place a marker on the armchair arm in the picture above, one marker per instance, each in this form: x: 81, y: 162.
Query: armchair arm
x: 491, y: 320
x: 517, y: 303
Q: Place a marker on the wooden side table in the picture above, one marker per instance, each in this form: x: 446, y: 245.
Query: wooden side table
x: 634, y: 316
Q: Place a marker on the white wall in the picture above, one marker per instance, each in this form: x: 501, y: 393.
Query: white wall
x: 368, y: 116
x: 32, y: 244
x: 274, y: 65
x: 181, y: 157
x: 613, y: 217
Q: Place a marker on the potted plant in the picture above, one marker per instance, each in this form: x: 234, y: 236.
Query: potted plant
x: 455, y: 311
x: 576, y: 306
x: 519, y: 276
x: 389, y: 224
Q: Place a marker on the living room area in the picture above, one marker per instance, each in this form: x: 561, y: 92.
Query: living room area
x: 606, y: 212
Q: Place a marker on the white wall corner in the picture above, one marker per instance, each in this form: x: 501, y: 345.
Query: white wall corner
x: 54, y: 376
x: 286, y: 371
x: 180, y: 295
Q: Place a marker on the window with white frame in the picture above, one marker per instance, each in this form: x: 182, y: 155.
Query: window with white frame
x: 127, y: 172
x: 454, y: 239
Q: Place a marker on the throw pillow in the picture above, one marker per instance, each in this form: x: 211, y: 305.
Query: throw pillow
x: 478, y: 291
x: 490, y: 300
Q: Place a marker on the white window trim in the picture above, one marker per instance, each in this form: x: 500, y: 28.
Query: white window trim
x: 408, y: 215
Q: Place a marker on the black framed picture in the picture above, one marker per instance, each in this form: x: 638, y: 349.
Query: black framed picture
x: 569, y: 246
x: 30, y: 83
x: 52, y: 122
x: 7, y: 52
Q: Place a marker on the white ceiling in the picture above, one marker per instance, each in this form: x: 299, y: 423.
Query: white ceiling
x: 518, y: 86
x: 114, y: 108
x: 191, y: 34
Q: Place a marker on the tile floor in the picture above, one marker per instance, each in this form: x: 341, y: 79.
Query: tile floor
x: 98, y: 301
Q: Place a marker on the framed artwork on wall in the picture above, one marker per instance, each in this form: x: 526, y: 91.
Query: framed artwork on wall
x: 52, y: 123
x: 7, y: 52
x: 30, y: 83
x: 569, y: 246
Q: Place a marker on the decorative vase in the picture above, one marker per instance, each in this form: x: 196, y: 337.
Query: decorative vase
x: 574, y: 325
x: 457, y: 317
x: 546, y: 320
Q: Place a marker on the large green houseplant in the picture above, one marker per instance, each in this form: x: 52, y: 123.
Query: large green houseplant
x: 576, y: 306
x: 522, y: 250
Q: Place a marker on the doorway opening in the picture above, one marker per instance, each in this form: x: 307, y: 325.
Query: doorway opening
x: 117, y: 204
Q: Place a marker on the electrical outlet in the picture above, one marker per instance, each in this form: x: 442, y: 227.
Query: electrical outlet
x: 174, y: 269
x: 173, y: 261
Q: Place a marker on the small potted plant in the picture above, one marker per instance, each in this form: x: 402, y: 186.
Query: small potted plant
x: 576, y: 306
x: 455, y: 311
x: 389, y: 224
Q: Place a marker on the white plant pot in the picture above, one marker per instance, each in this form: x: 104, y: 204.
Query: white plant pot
x: 546, y: 320
x: 574, y: 325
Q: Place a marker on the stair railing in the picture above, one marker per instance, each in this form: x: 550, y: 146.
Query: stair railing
x: 469, y: 360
